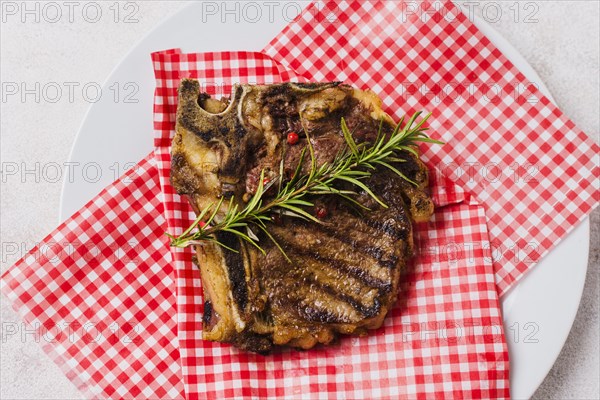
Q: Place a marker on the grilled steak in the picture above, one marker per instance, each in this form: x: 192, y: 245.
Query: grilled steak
x: 344, y: 274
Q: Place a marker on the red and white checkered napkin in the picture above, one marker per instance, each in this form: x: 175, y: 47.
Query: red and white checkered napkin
x: 99, y: 293
x: 533, y: 170
x: 446, y: 340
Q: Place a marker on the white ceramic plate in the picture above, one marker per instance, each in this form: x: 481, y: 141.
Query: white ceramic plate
x: 538, y: 312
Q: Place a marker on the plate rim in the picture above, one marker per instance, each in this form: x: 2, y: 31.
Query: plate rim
x: 531, y: 74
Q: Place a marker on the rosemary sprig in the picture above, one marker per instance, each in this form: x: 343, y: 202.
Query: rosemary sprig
x: 353, y: 164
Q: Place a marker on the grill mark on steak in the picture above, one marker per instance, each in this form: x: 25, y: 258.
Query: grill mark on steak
x: 313, y: 238
x: 329, y: 301
x: 383, y: 258
x: 315, y: 85
x: 387, y: 228
x: 235, y: 267
x: 252, y: 341
x: 311, y: 281
x: 306, y: 264
x: 329, y: 315
x: 358, y: 306
x: 207, y: 312
x: 323, y: 316
x: 312, y: 301
x: 334, y: 272
x: 352, y: 270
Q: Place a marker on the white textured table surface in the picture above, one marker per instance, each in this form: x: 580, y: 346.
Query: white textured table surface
x: 562, y: 46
